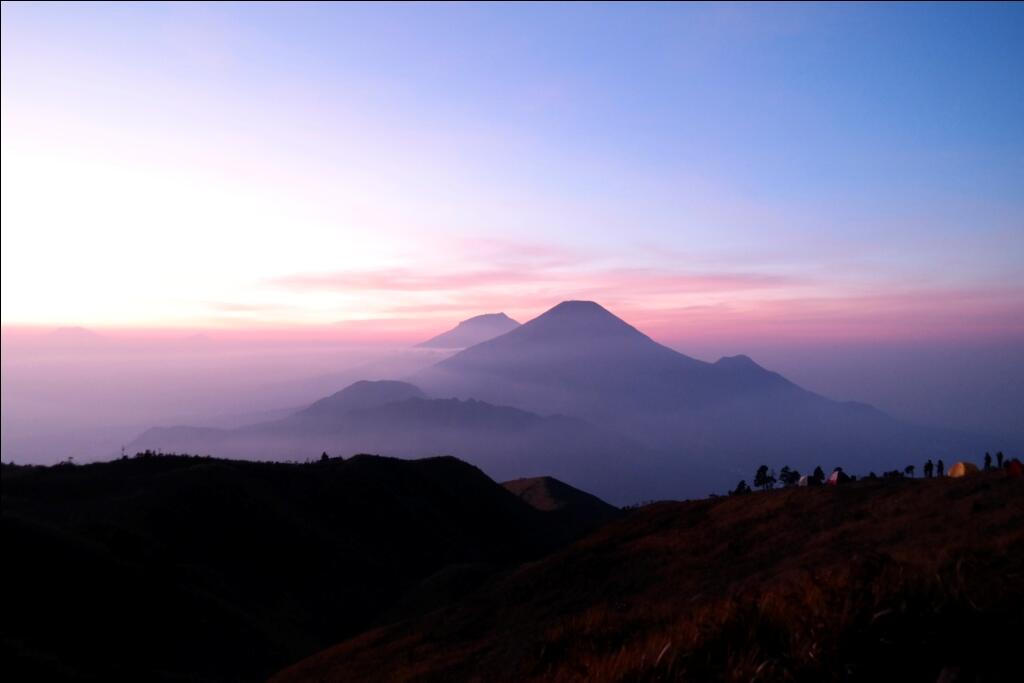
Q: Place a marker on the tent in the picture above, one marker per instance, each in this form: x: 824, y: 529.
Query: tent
x: 837, y: 477
x: 962, y: 469
x: 805, y: 480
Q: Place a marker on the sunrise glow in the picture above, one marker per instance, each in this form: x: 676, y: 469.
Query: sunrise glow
x: 175, y: 166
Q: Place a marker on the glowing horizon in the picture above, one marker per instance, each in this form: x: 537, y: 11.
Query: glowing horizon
x: 815, y: 173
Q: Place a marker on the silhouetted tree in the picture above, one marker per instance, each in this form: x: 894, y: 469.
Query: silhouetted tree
x: 999, y: 459
x: 909, y: 470
x: 763, y: 479
x: 819, y: 475
x: 988, y: 461
x: 740, y: 489
x: 789, y: 477
x: 324, y: 457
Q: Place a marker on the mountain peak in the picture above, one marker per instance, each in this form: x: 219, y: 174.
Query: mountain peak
x: 486, y: 319
x: 738, y: 361
x: 579, y: 307
x: 579, y: 359
x: 581, y: 319
x: 472, y: 331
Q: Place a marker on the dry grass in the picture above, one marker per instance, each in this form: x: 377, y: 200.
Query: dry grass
x: 883, y: 580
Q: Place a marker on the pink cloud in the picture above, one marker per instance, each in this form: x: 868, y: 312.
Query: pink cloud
x: 687, y: 299
x: 637, y: 280
x: 742, y: 308
x: 401, y: 279
x: 923, y: 314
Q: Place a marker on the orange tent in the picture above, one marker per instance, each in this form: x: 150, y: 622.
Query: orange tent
x: 1015, y: 469
x: 962, y: 469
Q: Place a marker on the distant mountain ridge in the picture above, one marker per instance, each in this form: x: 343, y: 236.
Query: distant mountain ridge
x: 580, y: 359
x: 396, y: 418
x: 579, y: 394
x: 472, y: 331
x: 361, y: 395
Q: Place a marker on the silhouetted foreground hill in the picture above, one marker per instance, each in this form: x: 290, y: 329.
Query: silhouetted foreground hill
x: 885, y: 580
x: 180, y: 568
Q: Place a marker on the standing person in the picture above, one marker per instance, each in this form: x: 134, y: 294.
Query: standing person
x: 929, y: 468
x: 940, y: 468
x: 988, y: 461
x: 999, y: 460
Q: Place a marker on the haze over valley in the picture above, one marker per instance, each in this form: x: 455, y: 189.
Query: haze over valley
x: 76, y: 393
x: 580, y: 394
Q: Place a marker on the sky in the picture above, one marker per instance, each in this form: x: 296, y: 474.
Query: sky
x: 815, y: 174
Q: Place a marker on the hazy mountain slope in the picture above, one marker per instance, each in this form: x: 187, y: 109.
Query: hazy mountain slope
x: 177, y: 568
x: 359, y: 395
x: 283, y: 438
x: 505, y: 442
x: 581, y: 395
x: 579, y: 359
x: 908, y: 580
x: 472, y: 331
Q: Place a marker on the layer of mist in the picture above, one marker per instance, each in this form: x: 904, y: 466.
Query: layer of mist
x: 576, y: 393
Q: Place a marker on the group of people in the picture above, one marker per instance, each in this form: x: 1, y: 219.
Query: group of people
x: 999, y: 460
x: 766, y: 479
x: 938, y: 468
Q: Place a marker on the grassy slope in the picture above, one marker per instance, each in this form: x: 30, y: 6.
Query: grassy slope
x: 877, y: 580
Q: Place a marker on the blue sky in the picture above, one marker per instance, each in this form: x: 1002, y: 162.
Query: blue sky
x: 801, y: 166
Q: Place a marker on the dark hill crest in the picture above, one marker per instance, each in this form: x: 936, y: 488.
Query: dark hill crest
x: 208, y: 569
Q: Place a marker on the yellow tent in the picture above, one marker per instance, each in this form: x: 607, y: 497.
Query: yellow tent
x: 962, y: 469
